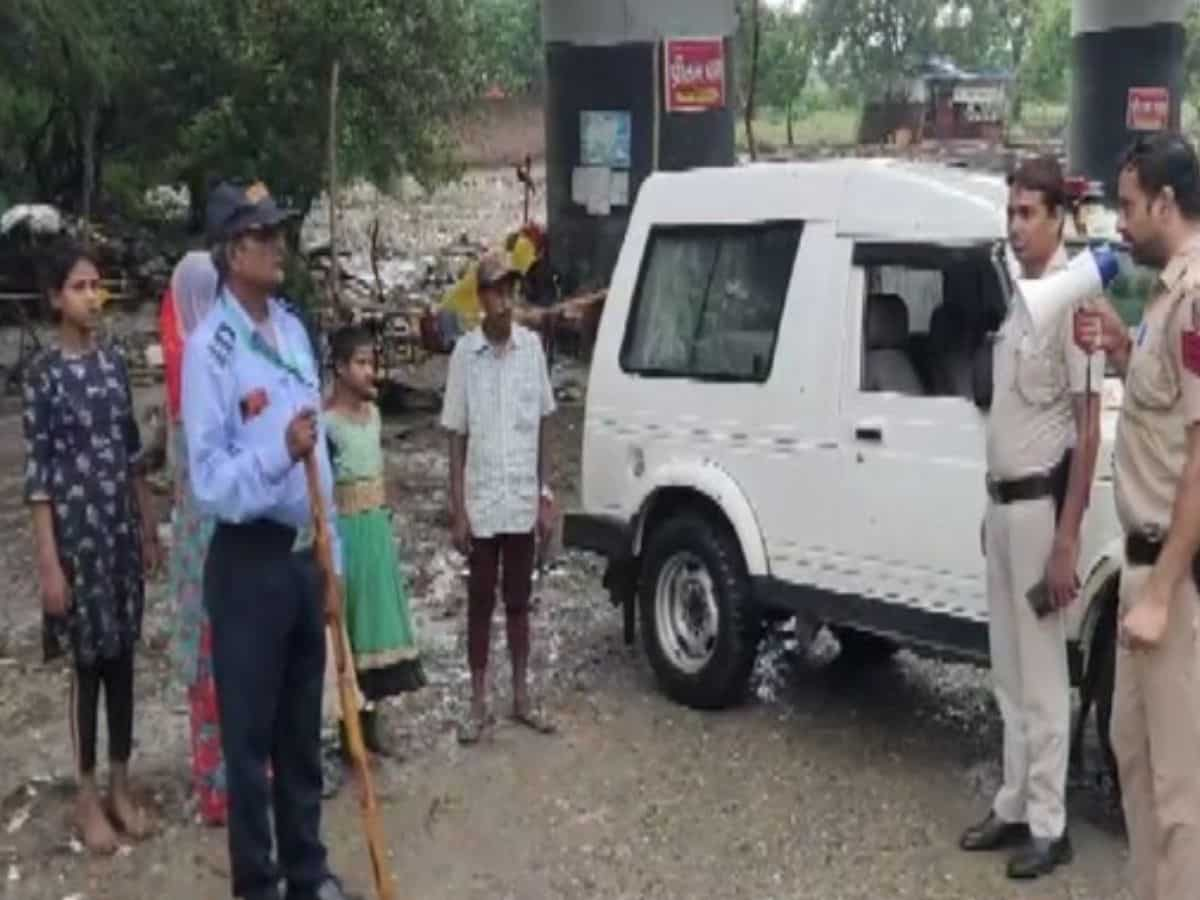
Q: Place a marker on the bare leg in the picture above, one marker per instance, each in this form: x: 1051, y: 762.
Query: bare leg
x: 94, y: 827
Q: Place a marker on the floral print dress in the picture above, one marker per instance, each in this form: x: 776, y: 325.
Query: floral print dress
x: 81, y: 450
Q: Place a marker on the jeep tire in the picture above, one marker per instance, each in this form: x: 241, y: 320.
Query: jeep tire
x: 699, y: 626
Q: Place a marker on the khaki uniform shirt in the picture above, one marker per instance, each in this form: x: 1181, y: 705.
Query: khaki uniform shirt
x: 1162, y: 397
x: 1031, y: 424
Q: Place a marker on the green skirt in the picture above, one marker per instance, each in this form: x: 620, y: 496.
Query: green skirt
x: 377, y: 617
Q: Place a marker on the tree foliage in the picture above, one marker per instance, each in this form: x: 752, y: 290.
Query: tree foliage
x: 507, y: 39
x: 1044, y: 70
x: 785, y: 61
x: 874, y: 44
x: 187, y: 91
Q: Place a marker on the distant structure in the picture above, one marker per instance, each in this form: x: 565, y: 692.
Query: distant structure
x: 940, y: 102
x: 632, y: 86
x: 1127, y: 79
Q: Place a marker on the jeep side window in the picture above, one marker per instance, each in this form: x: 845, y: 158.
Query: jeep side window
x: 709, y: 301
x: 927, y: 312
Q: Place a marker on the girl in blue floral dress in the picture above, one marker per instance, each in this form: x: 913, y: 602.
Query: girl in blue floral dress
x: 94, y: 530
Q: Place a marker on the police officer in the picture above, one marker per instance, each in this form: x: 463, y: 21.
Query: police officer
x: 1042, y: 439
x: 250, y: 395
x: 1156, y: 714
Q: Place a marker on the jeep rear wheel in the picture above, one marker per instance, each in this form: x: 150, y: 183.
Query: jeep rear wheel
x: 698, y: 625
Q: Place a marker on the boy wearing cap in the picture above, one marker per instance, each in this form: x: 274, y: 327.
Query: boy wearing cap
x: 498, y: 396
x: 250, y: 394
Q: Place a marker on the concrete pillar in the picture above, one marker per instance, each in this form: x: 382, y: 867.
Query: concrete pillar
x: 1127, y: 79
x: 606, y: 56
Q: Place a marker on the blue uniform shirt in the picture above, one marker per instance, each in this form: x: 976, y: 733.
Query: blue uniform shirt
x: 238, y: 395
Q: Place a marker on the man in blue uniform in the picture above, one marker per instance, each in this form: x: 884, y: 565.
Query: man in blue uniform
x: 250, y: 396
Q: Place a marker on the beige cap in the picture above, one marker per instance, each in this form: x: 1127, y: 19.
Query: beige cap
x: 495, y: 268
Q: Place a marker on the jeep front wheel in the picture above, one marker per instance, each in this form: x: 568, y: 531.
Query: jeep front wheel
x: 698, y: 625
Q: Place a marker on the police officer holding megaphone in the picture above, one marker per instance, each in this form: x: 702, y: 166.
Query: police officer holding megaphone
x: 1042, y: 440
x: 1156, y: 463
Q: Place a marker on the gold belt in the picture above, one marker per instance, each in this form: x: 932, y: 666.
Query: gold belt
x: 360, y: 496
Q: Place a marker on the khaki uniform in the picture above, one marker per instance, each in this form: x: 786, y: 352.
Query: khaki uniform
x: 1156, y: 715
x: 1031, y: 426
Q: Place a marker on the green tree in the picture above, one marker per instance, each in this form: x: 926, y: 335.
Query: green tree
x: 785, y: 62
x: 180, y: 90
x: 1044, y: 70
x: 874, y: 44
x: 506, y: 45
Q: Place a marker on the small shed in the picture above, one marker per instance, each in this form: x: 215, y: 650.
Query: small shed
x: 940, y: 102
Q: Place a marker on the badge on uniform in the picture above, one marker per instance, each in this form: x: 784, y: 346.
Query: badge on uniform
x: 253, y: 404
x: 1190, y: 351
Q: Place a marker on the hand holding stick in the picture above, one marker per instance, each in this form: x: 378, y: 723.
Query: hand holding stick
x: 376, y: 845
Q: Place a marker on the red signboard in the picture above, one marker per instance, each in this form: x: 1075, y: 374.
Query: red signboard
x: 1148, y: 109
x: 695, y: 74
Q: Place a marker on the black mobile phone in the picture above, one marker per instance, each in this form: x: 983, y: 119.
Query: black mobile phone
x: 1039, y: 598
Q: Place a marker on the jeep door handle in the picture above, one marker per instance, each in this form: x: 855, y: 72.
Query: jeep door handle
x: 869, y: 431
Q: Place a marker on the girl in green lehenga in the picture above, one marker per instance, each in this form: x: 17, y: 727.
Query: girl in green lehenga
x: 377, y: 617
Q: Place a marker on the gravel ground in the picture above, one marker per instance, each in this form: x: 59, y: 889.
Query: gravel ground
x: 827, y: 784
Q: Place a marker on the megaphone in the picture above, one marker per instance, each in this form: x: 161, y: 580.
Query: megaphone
x: 1088, y: 274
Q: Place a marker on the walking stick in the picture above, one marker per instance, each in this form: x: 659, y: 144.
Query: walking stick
x: 358, y: 752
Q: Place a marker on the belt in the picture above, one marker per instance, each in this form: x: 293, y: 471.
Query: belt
x: 360, y: 496
x: 258, y: 536
x: 1142, y: 548
x: 1014, y: 490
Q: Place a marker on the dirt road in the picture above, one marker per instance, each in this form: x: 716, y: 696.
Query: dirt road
x: 828, y: 784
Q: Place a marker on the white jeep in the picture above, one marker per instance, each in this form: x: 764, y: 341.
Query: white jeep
x: 782, y: 420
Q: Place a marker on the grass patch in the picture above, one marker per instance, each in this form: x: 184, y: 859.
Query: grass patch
x: 816, y: 128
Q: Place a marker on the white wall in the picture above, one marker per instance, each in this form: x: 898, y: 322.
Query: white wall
x: 598, y: 22
x: 1102, y: 15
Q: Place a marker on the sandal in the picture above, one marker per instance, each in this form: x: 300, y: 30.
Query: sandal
x: 470, y: 730
x: 535, y: 720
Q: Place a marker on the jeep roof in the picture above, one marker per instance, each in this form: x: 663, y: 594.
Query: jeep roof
x: 878, y: 198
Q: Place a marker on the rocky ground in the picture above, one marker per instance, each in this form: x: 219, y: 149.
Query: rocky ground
x: 828, y: 783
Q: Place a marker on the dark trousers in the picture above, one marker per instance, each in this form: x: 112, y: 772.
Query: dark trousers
x: 115, y: 676
x: 269, y: 664
x: 512, y: 554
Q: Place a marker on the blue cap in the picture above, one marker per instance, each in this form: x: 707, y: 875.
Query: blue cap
x: 1107, y: 262
x: 233, y: 211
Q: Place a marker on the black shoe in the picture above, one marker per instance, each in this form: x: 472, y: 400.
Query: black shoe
x: 329, y: 889
x: 1040, y: 857
x: 993, y: 833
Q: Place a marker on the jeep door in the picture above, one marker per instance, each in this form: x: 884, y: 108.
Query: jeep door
x: 913, y: 440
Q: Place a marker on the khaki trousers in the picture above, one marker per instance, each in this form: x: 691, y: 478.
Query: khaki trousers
x: 1156, y: 739
x: 1029, y: 668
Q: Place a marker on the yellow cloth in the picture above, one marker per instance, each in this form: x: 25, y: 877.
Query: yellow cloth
x: 524, y: 255
x: 463, y: 300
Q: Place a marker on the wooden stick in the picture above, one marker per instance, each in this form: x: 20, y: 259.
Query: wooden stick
x: 373, y: 826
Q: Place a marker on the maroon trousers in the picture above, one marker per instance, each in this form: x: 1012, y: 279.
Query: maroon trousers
x: 512, y: 555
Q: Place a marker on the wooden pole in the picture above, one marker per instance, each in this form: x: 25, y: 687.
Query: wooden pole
x: 335, y: 271
x: 372, y: 824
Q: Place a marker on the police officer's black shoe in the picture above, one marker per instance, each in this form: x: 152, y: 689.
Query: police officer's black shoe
x: 329, y: 889
x: 993, y: 833
x: 1040, y: 856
